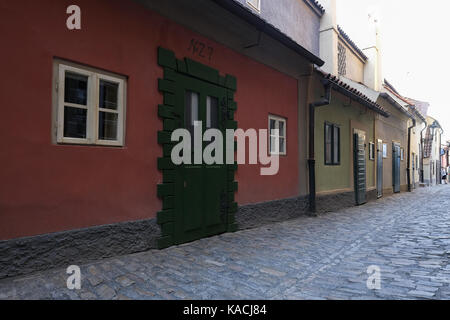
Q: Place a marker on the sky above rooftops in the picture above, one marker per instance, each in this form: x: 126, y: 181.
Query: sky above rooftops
x: 416, y: 47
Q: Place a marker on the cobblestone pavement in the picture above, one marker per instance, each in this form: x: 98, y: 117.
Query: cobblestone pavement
x: 406, y: 235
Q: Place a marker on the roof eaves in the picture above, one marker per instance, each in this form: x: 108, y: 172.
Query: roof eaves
x: 417, y: 113
x: 398, y: 106
x: 410, y: 102
x: 392, y: 90
x: 420, y: 106
x: 352, y: 43
x: 262, y: 25
x: 353, y: 93
x: 316, y: 7
x: 439, y: 125
x: 390, y: 86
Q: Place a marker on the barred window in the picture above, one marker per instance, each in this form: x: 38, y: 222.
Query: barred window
x: 342, y: 60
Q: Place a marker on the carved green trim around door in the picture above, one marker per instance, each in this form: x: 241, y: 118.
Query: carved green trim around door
x: 167, y: 111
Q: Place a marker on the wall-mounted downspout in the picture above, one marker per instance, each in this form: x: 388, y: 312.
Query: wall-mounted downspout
x: 312, y: 161
x: 408, y: 169
x: 422, y: 146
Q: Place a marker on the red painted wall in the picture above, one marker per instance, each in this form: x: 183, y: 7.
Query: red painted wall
x: 46, y: 187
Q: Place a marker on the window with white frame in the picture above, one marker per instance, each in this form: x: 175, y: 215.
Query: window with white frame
x: 277, y: 130
x: 255, y: 4
x: 90, y: 106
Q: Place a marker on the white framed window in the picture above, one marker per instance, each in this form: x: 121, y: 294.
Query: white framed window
x: 255, y: 4
x: 90, y: 106
x: 402, y: 154
x: 277, y: 135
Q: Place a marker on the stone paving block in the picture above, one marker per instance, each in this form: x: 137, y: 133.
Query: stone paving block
x: 272, y: 272
x: 88, y: 296
x: 421, y: 294
x: 326, y: 257
x: 94, y: 281
x: 124, y: 281
x: 105, y: 292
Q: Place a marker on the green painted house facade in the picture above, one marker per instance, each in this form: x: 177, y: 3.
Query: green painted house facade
x: 344, y: 140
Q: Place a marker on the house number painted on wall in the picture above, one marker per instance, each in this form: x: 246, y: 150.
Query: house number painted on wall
x: 201, y: 49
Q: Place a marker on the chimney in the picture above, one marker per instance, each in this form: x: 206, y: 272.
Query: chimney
x: 329, y: 37
x: 373, y: 76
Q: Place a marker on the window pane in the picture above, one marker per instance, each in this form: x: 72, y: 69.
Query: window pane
x: 282, y: 145
x: 281, y: 128
x: 336, y: 145
x: 75, y: 122
x: 107, y: 126
x: 328, y: 138
x: 212, y: 112
x: 108, y: 95
x: 273, y: 145
x: 191, y: 110
x: 272, y: 126
x: 191, y: 113
x: 75, y: 88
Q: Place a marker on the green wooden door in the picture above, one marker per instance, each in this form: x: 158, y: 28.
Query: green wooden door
x: 359, y: 151
x: 200, y: 188
x: 396, y: 167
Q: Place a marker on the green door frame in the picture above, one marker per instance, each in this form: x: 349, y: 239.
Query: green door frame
x: 179, y: 76
x: 379, y: 168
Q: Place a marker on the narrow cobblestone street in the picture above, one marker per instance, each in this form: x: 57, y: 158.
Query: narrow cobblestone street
x: 406, y: 235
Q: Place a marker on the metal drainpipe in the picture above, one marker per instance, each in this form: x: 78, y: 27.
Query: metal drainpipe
x: 408, y: 169
x: 422, y: 146
x: 311, y: 161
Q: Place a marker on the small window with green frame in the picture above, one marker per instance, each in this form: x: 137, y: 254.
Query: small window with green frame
x: 332, y: 144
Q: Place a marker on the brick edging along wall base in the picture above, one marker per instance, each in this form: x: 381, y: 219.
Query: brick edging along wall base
x: 75, y: 247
